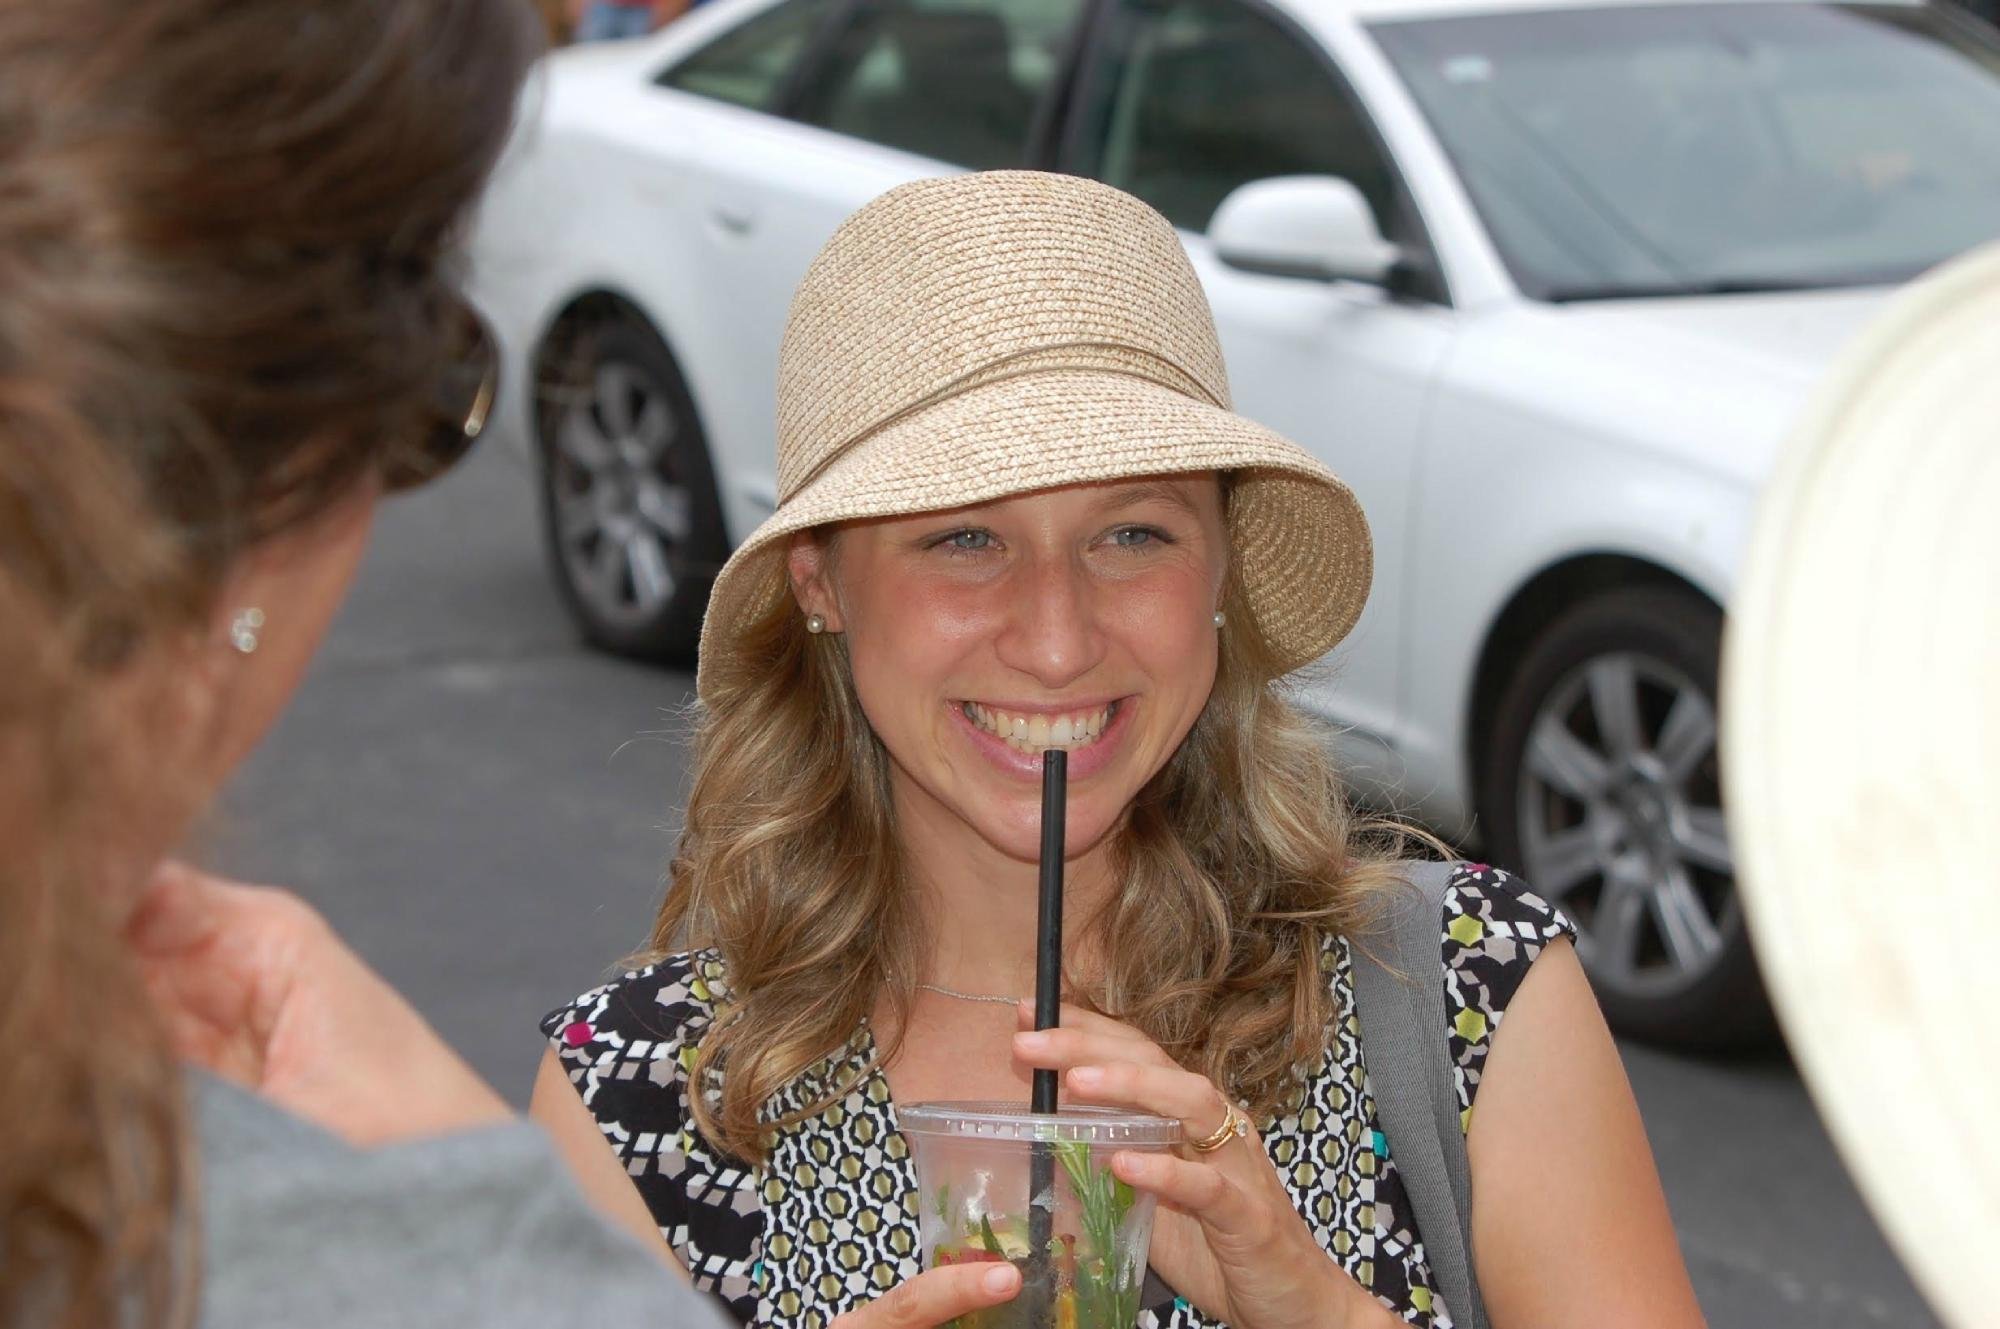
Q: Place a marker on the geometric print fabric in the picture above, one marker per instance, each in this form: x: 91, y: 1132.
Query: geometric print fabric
x: 829, y: 1221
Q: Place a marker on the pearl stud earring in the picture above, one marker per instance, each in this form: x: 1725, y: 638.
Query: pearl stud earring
x: 1218, y: 618
x: 815, y: 623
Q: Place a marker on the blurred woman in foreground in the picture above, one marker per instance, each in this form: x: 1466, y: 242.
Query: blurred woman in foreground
x: 226, y: 329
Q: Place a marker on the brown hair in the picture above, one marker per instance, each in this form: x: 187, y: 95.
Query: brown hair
x: 1238, y: 863
x: 222, y: 294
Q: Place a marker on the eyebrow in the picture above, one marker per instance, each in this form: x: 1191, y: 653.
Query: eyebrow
x: 1144, y: 492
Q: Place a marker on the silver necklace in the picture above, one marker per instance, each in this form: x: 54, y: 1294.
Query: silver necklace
x: 970, y: 996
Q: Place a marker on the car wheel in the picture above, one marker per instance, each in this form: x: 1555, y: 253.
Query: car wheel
x: 1600, y: 784
x: 633, y: 526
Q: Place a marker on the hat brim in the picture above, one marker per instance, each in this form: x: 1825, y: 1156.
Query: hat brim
x: 1301, y: 543
x: 1861, y: 753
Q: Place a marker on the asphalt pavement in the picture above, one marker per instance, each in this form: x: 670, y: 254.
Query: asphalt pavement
x: 485, y: 808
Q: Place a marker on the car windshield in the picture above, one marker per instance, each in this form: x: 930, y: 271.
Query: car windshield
x: 1683, y: 149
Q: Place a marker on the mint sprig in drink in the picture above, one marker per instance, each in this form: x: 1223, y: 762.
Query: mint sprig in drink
x: 974, y: 1166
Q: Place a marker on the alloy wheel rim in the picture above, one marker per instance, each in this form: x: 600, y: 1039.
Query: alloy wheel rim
x: 1621, y: 823
x: 621, y: 514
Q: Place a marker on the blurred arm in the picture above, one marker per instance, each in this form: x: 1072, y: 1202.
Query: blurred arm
x: 254, y: 987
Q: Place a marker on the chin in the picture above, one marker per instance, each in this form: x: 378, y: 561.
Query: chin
x: 1020, y: 837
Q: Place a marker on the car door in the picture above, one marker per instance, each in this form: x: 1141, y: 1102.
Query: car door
x: 1180, y: 102
x: 879, y: 93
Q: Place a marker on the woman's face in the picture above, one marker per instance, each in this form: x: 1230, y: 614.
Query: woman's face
x: 1080, y: 617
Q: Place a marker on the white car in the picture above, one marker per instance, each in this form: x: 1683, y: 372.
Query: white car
x: 1545, y: 282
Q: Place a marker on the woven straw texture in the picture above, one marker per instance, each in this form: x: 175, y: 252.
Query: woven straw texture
x: 967, y: 339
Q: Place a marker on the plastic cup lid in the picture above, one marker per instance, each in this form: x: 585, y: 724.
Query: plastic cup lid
x: 1013, y: 1121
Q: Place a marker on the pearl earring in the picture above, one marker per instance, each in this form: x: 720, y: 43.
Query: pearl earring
x: 815, y: 623
x: 1218, y: 618
x: 245, y: 628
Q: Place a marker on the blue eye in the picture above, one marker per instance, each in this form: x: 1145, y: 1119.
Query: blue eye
x: 969, y: 541
x: 1136, y: 537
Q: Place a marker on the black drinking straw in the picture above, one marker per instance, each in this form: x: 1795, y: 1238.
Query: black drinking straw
x: 1048, y: 1010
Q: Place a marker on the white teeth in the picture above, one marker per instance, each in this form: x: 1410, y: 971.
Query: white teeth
x: 1035, y: 733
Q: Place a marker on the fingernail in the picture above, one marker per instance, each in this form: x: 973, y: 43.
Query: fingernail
x: 1086, y: 1077
x: 1001, y: 1278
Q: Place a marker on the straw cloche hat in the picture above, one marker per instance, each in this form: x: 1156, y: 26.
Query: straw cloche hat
x: 1861, y: 750
x: 964, y: 339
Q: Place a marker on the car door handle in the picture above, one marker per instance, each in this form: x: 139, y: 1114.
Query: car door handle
x: 735, y: 218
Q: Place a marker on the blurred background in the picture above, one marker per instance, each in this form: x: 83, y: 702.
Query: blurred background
x: 1547, y: 281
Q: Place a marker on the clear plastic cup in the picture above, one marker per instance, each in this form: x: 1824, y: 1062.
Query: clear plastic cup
x: 975, y: 1165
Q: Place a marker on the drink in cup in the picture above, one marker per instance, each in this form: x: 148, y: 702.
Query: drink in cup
x: 975, y: 1166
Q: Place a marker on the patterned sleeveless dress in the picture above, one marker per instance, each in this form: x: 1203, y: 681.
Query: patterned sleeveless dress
x: 830, y: 1220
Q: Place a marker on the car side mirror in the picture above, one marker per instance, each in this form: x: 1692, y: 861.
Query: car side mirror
x: 1314, y: 226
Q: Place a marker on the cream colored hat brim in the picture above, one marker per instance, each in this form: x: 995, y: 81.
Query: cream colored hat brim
x: 1861, y: 742
x: 1291, y: 520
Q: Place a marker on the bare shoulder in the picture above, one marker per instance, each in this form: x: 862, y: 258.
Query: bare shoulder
x: 1570, y: 1227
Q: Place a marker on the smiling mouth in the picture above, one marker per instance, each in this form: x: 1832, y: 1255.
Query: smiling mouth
x: 1034, y: 734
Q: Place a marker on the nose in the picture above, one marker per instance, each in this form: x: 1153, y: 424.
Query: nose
x: 1052, y: 631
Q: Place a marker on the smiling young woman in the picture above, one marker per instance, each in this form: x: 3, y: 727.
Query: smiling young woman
x: 1017, y: 514
x: 1080, y: 617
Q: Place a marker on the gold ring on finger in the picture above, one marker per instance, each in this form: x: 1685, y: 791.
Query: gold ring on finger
x: 1235, y: 1126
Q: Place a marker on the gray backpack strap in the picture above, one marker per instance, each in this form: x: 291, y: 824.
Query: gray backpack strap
x: 1404, y: 1048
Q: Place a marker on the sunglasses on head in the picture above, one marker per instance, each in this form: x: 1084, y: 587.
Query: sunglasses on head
x: 462, y: 403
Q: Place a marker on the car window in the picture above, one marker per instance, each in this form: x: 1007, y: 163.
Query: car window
x: 748, y: 65
x: 957, y: 80
x: 1676, y: 149
x: 1184, y: 100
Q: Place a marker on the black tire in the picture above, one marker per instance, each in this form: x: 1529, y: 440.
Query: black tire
x: 627, y: 482
x: 1619, y: 823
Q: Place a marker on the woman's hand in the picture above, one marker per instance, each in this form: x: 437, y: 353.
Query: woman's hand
x: 935, y: 1297
x: 1227, y: 1237
x: 254, y: 986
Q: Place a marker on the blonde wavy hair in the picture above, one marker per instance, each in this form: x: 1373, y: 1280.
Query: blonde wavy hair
x: 1236, y: 864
